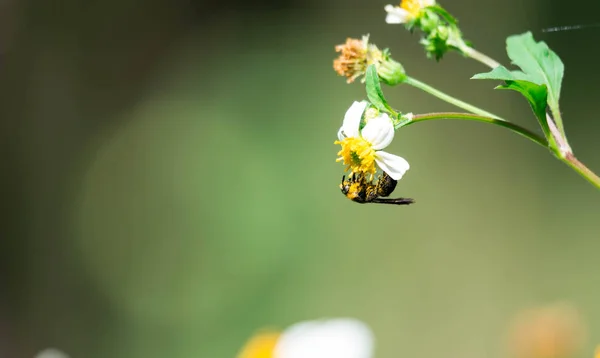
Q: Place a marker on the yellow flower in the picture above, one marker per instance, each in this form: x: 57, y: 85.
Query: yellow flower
x: 261, y: 345
x: 407, y: 11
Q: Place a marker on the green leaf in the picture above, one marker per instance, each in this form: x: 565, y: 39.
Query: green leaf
x: 540, y: 66
x: 540, y: 63
x: 536, y: 94
x: 503, y: 74
x: 374, y: 92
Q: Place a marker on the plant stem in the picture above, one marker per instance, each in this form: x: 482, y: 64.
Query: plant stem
x: 475, y: 117
x: 478, y: 56
x: 555, y: 125
x: 445, y: 97
x: 564, y: 154
x: 557, y: 118
x: 569, y: 159
x: 580, y: 168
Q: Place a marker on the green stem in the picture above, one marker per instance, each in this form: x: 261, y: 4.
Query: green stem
x: 557, y: 117
x: 478, y: 56
x: 569, y: 159
x: 580, y: 168
x: 445, y: 97
x: 565, y: 154
x: 560, y: 136
x: 474, y: 117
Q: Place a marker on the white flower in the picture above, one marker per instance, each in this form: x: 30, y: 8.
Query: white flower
x: 336, y: 338
x: 362, y: 149
x: 51, y: 353
x: 407, y: 11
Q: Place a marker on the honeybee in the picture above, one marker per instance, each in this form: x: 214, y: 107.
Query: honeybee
x: 357, y: 188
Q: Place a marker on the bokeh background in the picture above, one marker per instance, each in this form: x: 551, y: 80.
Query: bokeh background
x: 169, y: 184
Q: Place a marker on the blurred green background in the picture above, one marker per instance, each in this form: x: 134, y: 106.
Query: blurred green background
x: 169, y: 181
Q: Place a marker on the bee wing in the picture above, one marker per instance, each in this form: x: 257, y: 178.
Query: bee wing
x: 396, y: 201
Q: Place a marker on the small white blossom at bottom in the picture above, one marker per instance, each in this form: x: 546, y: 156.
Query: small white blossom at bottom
x: 51, y: 353
x: 335, y: 338
x: 332, y: 338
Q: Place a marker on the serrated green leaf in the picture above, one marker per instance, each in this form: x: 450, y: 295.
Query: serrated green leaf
x: 536, y: 94
x: 374, y: 91
x: 503, y: 74
x: 540, y: 67
x: 540, y: 63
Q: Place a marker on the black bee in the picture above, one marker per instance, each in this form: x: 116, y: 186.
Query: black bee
x: 358, y: 189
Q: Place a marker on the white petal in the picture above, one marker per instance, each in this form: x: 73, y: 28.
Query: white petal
x: 51, y: 353
x: 392, y: 164
x: 396, y: 15
x: 352, y: 119
x: 379, y: 131
x: 425, y: 3
x: 337, y: 338
x: 341, y: 135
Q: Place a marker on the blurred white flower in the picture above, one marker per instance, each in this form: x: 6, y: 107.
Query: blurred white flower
x: 51, y: 353
x: 334, y: 338
x: 407, y: 11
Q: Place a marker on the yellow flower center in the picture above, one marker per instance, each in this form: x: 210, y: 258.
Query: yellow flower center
x: 357, y: 154
x: 260, y: 346
x: 414, y: 7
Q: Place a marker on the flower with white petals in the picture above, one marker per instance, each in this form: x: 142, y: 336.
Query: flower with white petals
x: 51, y: 353
x: 407, y: 11
x: 362, y: 149
x: 335, y: 338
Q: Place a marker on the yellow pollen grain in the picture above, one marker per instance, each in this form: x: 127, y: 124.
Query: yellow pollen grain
x: 261, y: 345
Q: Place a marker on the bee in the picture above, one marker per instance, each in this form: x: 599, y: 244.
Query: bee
x: 357, y: 188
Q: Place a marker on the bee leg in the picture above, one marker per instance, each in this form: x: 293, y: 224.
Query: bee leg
x: 371, y: 195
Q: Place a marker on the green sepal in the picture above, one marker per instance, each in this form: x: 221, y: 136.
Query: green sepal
x: 374, y: 91
x: 437, y: 9
x: 401, y: 121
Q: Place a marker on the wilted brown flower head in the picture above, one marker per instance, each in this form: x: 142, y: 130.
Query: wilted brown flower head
x: 355, y: 56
